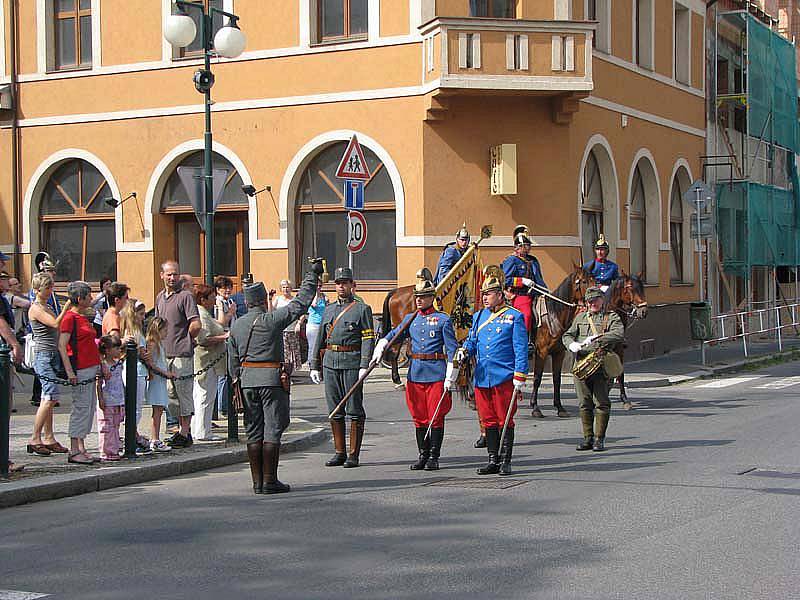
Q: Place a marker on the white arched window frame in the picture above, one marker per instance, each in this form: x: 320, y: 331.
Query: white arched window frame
x: 637, y: 232
x: 680, y: 242
x: 592, y: 222
x: 644, y: 217
x: 598, y: 188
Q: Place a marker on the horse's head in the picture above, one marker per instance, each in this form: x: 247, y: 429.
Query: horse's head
x: 632, y: 294
x: 581, y: 281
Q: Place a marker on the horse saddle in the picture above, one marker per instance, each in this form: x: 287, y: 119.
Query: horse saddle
x: 541, y: 317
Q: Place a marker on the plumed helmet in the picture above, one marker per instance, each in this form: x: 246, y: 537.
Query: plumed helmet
x: 601, y: 242
x: 522, y: 235
x: 493, y: 279
x: 255, y: 293
x: 343, y: 274
x: 593, y: 293
x: 463, y: 232
x: 424, y: 274
x: 424, y: 287
x: 43, y: 262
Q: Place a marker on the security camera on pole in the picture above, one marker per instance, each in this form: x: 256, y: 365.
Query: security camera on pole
x: 229, y: 42
x: 354, y: 170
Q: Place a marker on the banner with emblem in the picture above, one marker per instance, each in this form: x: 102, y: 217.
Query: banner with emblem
x: 458, y: 293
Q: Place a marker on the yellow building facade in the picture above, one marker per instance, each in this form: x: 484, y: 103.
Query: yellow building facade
x: 602, y: 100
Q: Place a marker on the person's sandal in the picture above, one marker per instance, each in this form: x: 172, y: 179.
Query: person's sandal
x: 79, y: 458
x: 39, y: 449
x: 56, y: 447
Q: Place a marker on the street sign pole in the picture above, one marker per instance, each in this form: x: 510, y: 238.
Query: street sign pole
x: 349, y: 252
x: 701, y: 241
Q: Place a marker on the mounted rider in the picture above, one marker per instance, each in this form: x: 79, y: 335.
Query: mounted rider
x: 604, y: 270
x: 522, y: 272
x: 451, y: 254
x: 430, y: 375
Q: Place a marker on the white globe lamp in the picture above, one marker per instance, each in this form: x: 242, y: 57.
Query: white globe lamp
x: 179, y: 30
x: 230, y: 41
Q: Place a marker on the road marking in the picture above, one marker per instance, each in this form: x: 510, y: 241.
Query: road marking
x: 723, y: 383
x: 14, y: 595
x: 779, y: 384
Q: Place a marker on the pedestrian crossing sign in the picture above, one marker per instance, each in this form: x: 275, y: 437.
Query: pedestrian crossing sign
x: 353, y: 165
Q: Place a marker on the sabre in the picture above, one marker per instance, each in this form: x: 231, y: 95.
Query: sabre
x: 511, y: 405
x: 371, y: 367
x: 439, y: 405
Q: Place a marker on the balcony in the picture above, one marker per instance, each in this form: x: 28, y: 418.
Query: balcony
x: 508, y: 57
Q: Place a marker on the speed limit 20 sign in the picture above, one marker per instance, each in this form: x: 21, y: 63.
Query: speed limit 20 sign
x: 357, y: 237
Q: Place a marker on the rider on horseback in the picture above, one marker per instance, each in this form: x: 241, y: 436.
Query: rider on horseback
x: 522, y: 272
x: 601, y: 268
x: 451, y: 254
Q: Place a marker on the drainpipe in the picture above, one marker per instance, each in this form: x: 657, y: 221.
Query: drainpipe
x: 15, y: 200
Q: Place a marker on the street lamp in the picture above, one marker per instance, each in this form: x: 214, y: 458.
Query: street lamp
x: 180, y: 31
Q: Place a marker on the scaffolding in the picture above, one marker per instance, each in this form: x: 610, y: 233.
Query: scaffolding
x: 757, y: 208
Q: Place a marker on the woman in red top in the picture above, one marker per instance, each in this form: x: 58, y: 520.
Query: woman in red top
x: 76, y: 344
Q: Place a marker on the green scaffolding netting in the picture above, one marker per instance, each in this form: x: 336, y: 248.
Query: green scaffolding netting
x: 759, y: 225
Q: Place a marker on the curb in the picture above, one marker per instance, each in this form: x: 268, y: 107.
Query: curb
x: 52, y: 487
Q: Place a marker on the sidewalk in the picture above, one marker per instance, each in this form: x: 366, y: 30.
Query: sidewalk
x: 46, y: 478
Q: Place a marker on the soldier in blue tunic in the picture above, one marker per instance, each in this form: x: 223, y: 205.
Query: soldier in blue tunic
x: 433, y: 345
x: 499, y: 341
x: 522, y: 271
x: 601, y: 268
x: 451, y: 254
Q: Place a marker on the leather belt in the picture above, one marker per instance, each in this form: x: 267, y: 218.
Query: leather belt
x: 261, y: 364
x: 435, y: 356
x: 339, y: 348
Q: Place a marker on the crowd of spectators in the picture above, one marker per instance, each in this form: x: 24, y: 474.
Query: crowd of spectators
x: 74, y: 346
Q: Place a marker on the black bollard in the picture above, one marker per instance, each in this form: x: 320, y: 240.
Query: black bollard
x: 131, y: 356
x: 5, y: 405
x: 233, y: 418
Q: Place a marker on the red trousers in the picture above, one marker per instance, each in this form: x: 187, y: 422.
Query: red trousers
x: 493, y: 404
x: 524, y: 304
x: 422, y: 399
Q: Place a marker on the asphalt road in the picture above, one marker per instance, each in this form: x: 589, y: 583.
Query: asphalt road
x: 697, y: 497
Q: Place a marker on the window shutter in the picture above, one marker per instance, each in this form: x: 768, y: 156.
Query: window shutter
x: 510, y: 52
x: 462, y: 50
x: 523, y: 52
x: 557, y: 53
x: 476, y: 50
x: 569, y: 53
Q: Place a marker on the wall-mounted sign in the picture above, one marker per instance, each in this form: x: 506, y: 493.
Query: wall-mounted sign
x: 503, y: 172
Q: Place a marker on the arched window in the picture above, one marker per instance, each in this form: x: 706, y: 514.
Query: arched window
x: 77, y: 225
x: 377, y: 262
x: 638, y: 220
x: 591, y: 205
x: 676, y: 231
x: 231, y: 247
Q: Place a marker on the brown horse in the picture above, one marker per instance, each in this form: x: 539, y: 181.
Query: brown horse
x: 560, y: 313
x: 398, y: 303
x: 626, y: 297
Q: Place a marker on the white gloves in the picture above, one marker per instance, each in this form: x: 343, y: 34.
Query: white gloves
x: 361, y: 373
x: 527, y: 282
x: 379, y: 349
x: 449, y: 381
x: 316, y: 377
x: 518, y: 385
x: 575, y: 346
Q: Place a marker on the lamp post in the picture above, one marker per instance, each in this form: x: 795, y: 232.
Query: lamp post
x: 180, y: 31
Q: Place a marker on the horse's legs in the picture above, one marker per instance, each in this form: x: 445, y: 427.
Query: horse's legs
x: 558, y: 361
x: 538, y: 371
x: 626, y: 404
x: 393, y: 356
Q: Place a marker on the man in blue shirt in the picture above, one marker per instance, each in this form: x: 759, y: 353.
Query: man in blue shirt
x: 451, y: 254
x: 433, y: 345
x: 522, y: 271
x: 499, y: 342
x: 601, y: 268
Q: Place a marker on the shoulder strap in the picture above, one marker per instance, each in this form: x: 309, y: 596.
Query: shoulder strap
x: 339, y: 316
x: 591, y: 323
x: 492, y: 318
x: 249, y: 337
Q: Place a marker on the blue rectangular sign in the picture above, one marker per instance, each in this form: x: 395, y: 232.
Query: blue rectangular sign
x: 354, y: 194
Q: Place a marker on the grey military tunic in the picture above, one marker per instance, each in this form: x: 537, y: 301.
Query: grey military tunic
x: 266, y: 402
x: 347, y: 348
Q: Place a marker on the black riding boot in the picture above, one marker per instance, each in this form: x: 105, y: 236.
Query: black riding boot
x: 587, y: 424
x: 600, y: 426
x: 272, y: 485
x: 256, y: 466
x: 356, y: 436
x: 424, y: 445
x: 437, y: 437
x: 506, y: 452
x: 337, y: 429
x: 492, y: 446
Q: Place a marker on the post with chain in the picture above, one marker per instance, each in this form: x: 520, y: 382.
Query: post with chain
x: 5, y: 406
x: 131, y: 358
x: 233, y: 418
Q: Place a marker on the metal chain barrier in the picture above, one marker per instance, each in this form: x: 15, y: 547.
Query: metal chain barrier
x: 67, y: 383
x: 200, y: 372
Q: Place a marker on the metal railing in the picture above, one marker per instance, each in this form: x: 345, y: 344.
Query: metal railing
x: 770, y: 321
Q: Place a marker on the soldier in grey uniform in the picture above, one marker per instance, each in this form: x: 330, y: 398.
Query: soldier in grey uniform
x: 255, y: 351
x: 593, y: 329
x: 346, y: 341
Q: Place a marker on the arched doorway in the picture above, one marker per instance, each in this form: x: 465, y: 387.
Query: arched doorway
x: 76, y: 223
x: 231, y: 245
x: 375, y: 267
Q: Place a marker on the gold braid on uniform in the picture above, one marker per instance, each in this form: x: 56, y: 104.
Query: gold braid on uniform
x: 367, y: 334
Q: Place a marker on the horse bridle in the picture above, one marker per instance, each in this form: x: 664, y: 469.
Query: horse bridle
x: 634, y: 307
